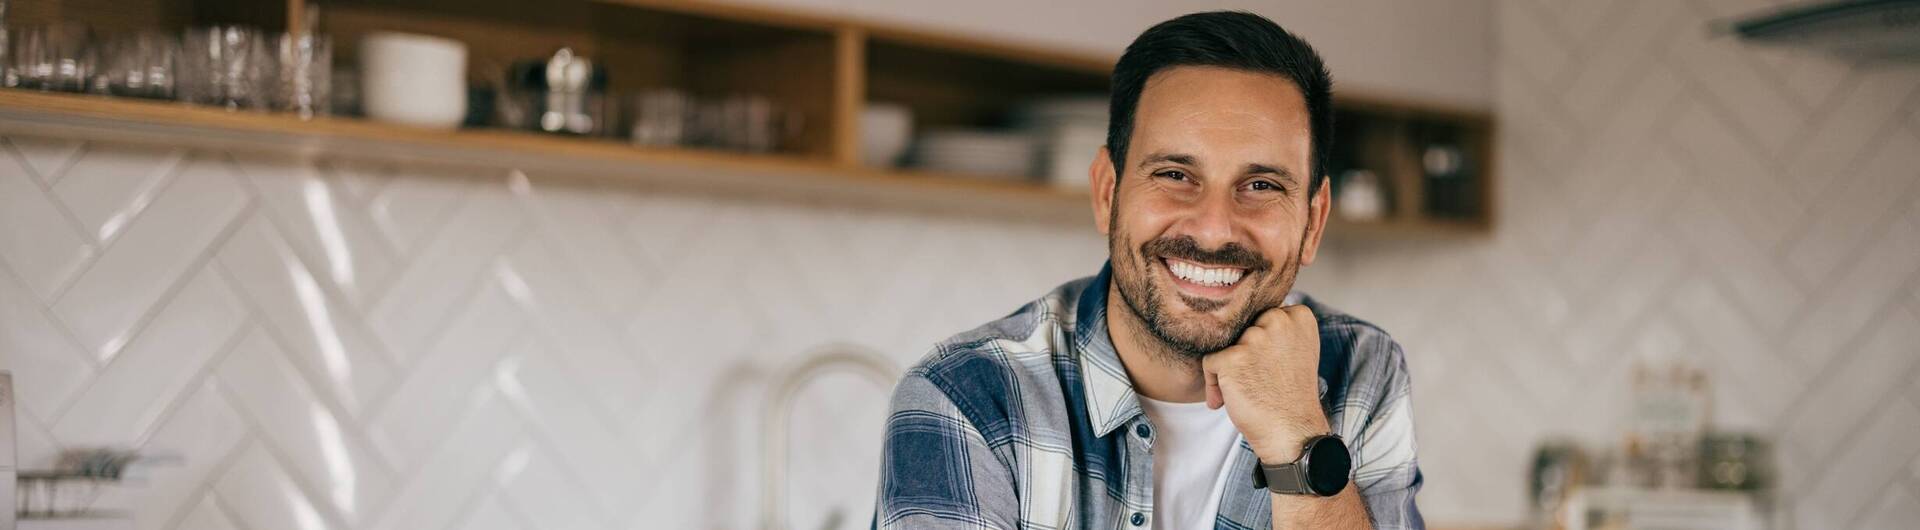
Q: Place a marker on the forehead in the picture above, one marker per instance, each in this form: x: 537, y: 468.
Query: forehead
x: 1214, y: 105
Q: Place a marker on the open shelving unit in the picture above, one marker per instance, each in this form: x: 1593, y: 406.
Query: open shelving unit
x: 822, y: 67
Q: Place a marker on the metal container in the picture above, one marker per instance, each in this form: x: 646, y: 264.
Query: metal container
x: 1734, y: 461
x: 564, y: 94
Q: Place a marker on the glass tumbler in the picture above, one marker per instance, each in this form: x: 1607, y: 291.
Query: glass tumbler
x: 303, y: 80
x: 228, y: 66
x: 58, y: 57
x: 139, y: 65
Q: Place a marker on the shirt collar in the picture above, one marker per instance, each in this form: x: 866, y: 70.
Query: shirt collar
x: 1111, y: 399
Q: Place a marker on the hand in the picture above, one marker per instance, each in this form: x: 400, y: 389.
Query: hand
x: 1269, y: 381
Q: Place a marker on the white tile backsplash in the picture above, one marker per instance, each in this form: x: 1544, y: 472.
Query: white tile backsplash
x: 338, y: 464
x: 347, y: 344
x: 133, y: 273
x: 201, y: 437
x: 491, y: 514
x: 46, y: 159
x: 441, y: 486
x: 262, y: 495
x: 135, y: 392
x: 105, y: 190
x: 1696, y: 198
x: 39, y: 350
x: 37, y: 240
x: 207, y: 516
x: 304, y: 314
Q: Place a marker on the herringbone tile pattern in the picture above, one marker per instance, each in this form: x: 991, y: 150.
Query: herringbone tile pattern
x: 357, y: 346
x: 1669, y: 192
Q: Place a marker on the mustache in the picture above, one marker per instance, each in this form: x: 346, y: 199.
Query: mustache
x: 1184, y: 247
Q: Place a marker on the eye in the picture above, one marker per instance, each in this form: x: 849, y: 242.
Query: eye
x: 1263, y: 185
x: 1173, y: 174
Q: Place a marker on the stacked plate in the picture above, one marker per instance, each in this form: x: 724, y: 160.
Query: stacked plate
x: 1071, y: 131
x: 1044, y: 113
x: 987, y: 153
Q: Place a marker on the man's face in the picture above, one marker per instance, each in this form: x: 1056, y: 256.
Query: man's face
x: 1210, y: 221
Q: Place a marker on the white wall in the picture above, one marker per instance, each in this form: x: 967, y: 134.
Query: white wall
x: 348, y: 346
x: 1428, y: 51
x: 1669, y: 193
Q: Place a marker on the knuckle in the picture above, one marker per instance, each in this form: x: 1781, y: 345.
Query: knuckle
x: 1253, y: 334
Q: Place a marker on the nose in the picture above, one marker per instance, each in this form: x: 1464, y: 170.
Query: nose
x: 1209, y: 221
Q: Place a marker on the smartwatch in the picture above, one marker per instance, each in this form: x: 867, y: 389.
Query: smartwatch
x: 1322, y: 470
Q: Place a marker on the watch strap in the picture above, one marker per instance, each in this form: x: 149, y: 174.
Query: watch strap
x: 1291, y: 478
x: 1286, y: 479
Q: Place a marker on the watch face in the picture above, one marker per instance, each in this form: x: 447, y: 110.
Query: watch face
x: 1328, y: 466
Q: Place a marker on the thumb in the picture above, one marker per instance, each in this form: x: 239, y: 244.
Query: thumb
x: 1214, y: 399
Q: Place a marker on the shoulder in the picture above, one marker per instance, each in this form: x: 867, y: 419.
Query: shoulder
x: 1359, y: 360
x: 990, y: 372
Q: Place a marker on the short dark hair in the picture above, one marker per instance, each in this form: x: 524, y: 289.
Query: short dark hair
x: 1229, y: 39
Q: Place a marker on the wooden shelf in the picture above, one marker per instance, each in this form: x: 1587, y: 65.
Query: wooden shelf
x: 88, y: 117
x: 825, y: 68
x: 1401, y: 229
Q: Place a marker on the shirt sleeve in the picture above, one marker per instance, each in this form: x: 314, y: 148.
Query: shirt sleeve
x: 936, y: 470
x: 1385, y: 467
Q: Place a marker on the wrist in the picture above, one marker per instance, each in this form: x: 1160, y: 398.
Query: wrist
x: 1285, y: 444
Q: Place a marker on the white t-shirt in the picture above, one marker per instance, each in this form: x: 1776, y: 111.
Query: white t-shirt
x: 1192, y: 448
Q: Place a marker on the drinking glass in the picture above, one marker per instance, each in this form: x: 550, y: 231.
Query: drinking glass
x: 303, y: 83
x: 57, y: 57
x: 227, y: 66
x: 139, y: 65
x: 660, y: 117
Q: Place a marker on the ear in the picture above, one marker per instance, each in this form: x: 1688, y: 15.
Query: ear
x: 1317, y: 209
x: 1101, y: 179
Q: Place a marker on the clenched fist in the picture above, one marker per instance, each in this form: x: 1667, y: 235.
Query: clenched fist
x: 1269, y: 381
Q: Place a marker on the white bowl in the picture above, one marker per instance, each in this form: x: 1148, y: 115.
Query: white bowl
x: 886, y: 129
x: 413, y: 79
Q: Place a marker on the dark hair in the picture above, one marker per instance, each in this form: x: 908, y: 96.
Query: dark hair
x: 1230, y: 39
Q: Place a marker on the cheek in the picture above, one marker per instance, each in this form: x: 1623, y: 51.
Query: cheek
x: 1142, y: 223
x: 1278, y: 240
x: 1154, y: 215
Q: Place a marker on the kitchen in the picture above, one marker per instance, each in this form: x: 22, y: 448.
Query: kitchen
x: 656, y: 264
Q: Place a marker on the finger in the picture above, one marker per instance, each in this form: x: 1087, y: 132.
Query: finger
x: 1276, y: 315
x: 1301, y: 314
x: 1210, y: 367
x: 1214, y: 399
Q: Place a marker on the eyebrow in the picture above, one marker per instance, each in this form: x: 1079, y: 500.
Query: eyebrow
x: 1280, y: 172
x: 1177, y: 158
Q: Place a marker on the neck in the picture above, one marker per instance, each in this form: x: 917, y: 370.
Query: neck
x: 1157, y: 370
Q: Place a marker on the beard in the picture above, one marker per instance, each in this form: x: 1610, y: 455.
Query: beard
x: 1196, y: 334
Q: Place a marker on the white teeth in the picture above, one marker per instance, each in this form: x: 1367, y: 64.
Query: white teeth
x: 1205, y: 276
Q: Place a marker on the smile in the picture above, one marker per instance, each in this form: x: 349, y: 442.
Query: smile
x: 1202, y: 275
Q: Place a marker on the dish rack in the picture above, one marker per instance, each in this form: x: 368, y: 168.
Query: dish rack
x: 1663, y: 509
x: 58, y: 495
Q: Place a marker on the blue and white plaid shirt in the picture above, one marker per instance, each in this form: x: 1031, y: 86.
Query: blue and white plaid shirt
x: 1031, y: 422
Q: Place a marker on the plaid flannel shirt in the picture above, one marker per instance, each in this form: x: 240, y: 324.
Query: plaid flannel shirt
x: 1031, y: 422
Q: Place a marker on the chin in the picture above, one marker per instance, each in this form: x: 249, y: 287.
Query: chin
x: 1197, y: 332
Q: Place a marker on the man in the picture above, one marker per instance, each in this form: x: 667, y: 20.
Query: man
x: 1185, y: 386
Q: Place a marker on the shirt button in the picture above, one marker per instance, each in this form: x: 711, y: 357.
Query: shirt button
x: 1144, y: 432
x: 1139, y: 519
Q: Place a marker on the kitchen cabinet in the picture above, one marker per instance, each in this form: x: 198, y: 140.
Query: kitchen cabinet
x: 824, y: 68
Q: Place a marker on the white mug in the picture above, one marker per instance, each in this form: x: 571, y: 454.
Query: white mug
x: 413, y: 79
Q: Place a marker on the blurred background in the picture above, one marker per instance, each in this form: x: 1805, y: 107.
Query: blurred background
x: 424, y: 264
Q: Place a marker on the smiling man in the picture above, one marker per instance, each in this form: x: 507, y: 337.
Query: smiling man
x: 1186, y: 385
